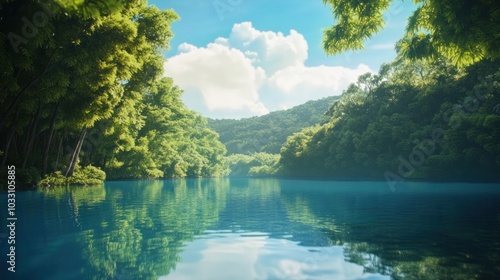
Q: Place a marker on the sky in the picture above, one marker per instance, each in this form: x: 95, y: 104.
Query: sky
x: 243, y: 58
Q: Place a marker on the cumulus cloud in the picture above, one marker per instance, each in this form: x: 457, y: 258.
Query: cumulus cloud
x: 252, y: 72
x: 275, y: 51
x: 299, y: 84
x: 225, y: 77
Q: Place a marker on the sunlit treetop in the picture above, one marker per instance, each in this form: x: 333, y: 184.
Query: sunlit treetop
x: 95, y: 8
x: 462, y: 31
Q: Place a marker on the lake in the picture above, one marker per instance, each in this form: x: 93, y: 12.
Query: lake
x: 240, y: 228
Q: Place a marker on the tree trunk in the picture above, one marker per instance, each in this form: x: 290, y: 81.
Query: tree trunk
x: 59, y: 151
x: 49, y: 140
x: 7, y: 146
x: 14, y: 144
x: 76, y: 152
x: 10, y: 136
x: 30, y: 137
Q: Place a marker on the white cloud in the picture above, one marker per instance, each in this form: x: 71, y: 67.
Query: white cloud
x: 226, y: 78
x: 185, y: 47
x: 276, y: 51
x: 252, y: 72
x: 299, y: 84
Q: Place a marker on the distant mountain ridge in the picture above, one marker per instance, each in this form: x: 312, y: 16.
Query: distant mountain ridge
x: 267, y: 133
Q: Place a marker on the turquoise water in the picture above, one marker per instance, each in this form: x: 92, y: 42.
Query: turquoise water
x: 256, y: 229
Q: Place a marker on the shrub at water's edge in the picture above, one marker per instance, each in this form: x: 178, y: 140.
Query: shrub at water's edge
x: 86, y: 176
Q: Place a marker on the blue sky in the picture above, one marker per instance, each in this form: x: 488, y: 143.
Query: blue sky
x: 240, y: 58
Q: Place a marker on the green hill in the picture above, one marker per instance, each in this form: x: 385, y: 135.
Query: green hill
x: 400, y: 124
x: 269, y: 132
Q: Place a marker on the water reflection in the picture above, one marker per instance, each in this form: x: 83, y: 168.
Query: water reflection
x: 259, y: 229
x: 422, y: 231
x: 144, y: 226
x: 229, y: 255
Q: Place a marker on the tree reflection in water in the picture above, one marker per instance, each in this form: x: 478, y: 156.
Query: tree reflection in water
x: 421, y: 232
x: 124, y: 240
x: 138, y: 229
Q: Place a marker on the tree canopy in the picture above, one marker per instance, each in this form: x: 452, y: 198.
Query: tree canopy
x: 406, y: 123
x: 463, y: 31
x: 82, y: 85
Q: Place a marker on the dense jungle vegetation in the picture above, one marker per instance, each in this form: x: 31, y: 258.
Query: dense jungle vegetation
x: 82, y: 90
x: 411, y: 120
x: 82, y: 85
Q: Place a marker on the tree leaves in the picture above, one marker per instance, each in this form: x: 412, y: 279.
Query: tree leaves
x: 463, y: 32
x: 356, y: 22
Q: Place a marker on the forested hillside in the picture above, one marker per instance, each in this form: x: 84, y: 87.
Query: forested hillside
x: 413, y: 120
x: 268, y: 133
x: 82, y: 85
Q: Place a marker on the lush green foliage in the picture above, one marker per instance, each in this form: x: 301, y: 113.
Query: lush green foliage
x: 268, y: 133
x: 172, y: 142
x: 441, y: 123
x: 257, y: 164
x: 81, y: 83
x: 462, y: 31
x: 86, y: 176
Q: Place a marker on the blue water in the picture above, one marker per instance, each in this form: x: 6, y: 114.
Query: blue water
x: 256, y: 229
